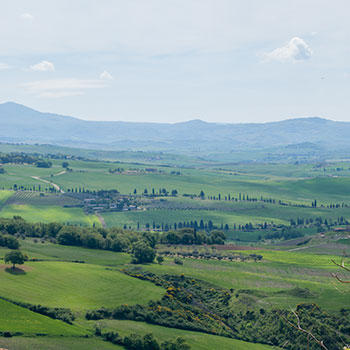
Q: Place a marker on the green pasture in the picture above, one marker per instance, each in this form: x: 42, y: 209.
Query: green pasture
x: 15, y: 319
x: 76, y: 286
x: 197, y: 340
x: 4, y: 196
x: 56, y: 343
x: 345, y: 241
x: 49, y: 251
x: 275, y: 279
x: 159, y: 216
x: 297, y: 183
x: 300, y: 190
x: 48, y: 214
x: 179, y: 210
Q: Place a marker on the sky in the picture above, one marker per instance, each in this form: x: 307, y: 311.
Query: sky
x: 224, y: 61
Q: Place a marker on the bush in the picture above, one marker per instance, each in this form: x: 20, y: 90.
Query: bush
x: 9, y: 242
x: 43, y: 164
x: 178, y: 261
x: 142, y: 253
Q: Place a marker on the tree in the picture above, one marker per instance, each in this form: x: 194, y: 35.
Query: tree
x: 202, y: 194
x: 65, y: 165
x: 15, y: 257
x: 43, y: 164
x: 160, y: 259
x: 142, y: 253
x: 9, y: 242
x: 178, y: 344
x: 149, y: 342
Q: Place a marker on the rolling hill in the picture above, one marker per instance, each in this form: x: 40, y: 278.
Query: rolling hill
x: 302, y: 136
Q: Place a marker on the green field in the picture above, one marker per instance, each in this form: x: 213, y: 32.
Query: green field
x: 226, y: 213
x: 49, y: 214
x: 77, y: 286
x: 49, y: 251
x: 81, y: 279
x: 196, y: 340
x: 275, y: 279
x: 17, y: 319
x: 282, y: 279
x: 52, y: 343
x: 299, y: 183
x: 4, y: 196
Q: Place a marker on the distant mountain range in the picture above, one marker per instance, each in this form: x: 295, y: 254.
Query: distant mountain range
x: 302, y: 137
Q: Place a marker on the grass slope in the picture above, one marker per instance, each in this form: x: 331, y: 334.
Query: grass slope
x: 49, y: 214
x: 52, y: 343
x: 76, y: 286
x: 14, y: 319
x: 273, y: 281
x: 197, y: 340
x: 50, y: 251
x: 4, y: 196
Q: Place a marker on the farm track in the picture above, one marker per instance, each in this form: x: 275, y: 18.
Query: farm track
x: 60, y: 173
x: 307, y: 247
x: 102, y: 220
x: 58, y: 188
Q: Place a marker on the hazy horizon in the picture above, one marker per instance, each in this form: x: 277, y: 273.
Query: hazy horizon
x: 160, y: 122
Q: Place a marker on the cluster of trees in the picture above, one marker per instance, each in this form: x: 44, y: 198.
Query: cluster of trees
x: 24, y: 158
x: 284, y: 234
x: 116, y: 170
x: 189, y: 236
x: 319, y: 221
x: 138, y: 342
x: 154, y: 193
x: 34, y: 188
x: 202, y: 225
x: 115, y: 239
x: 43, y: 164
x: 8, y: 242
x: 196, y: 305
x: 18, y: 158
x: 208, y: 255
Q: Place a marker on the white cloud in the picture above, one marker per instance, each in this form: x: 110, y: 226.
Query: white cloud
x: 43, y: 66
x: 61, y: 87
x: 4, y: 66
x: 106, y: 75
x: 27, y: 17
x: 295, y: 51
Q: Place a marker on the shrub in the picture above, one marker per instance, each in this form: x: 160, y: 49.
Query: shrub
x: 178, y: 261
x: 142, y: 253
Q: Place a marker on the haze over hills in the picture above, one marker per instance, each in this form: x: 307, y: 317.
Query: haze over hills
x: 303, y: 136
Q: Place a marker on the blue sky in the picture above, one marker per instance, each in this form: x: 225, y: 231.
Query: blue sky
x: 175, y: 60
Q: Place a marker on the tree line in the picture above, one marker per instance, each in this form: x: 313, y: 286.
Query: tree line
x: 141, y: 245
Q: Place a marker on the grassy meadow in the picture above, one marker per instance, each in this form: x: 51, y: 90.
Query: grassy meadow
x: 76, y: 286
x: 48, y: 214
x: 196, y: 340
x: 82, y: 279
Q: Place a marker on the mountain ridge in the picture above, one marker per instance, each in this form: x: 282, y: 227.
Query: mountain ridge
x: 19, y: 123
